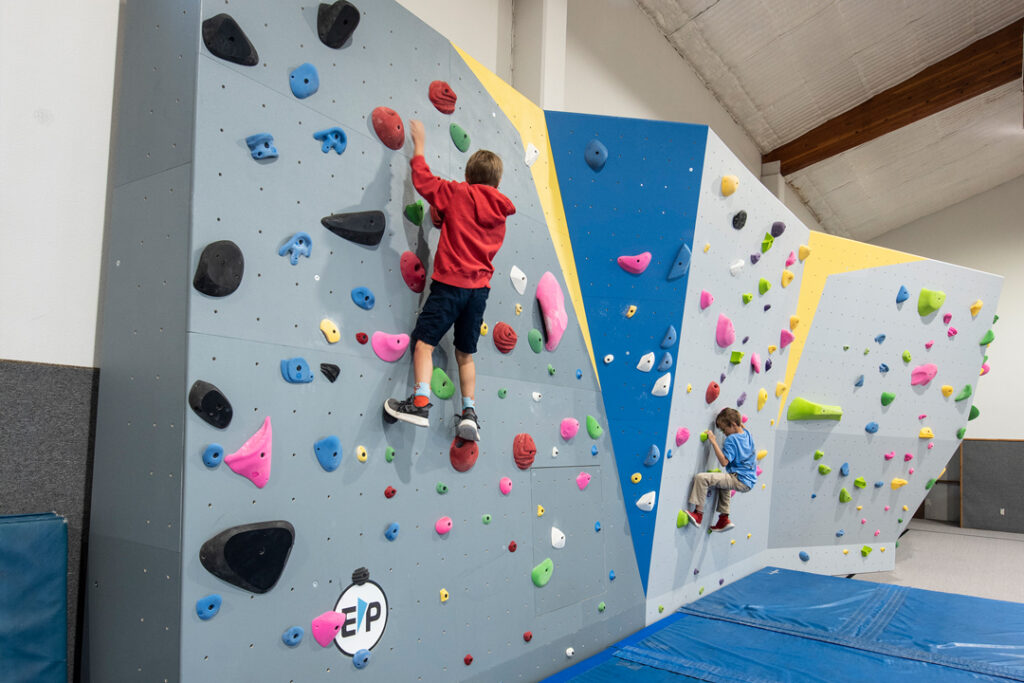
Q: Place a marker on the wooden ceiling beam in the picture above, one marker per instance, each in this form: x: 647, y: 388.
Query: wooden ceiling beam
x: 988, y: 63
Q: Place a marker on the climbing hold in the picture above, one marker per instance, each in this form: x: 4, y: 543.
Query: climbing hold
x: 802, y: 409
x: 646, y: 362
x: 468, y: 659
x: 804, y: 557
x: 791, y: 259
x: 261, y: 146
x: 569, y: 427
x: 735, y: 267
x: 442, y: 96
x: 929, y: 344
x: 763, y: 286
x: 389, y: 347
x: 485, y: 518
x: 582, y: 480
x: 706, y: 299
x: 646, y: 501
x: 902, y: 295
x: 888, y: 397
x: 754, y: 258
x: 682, y: 519
x: 767, y: 242
x: 390, y: 492
x: 859, y: 382
x: 391, y: 533
x: 987, y: 339
x: 363, y: 298
x: 518, y: 278
x: 331, y: 138
x: 923, y: 374
x: 531, y: 155
x: 504, y: 337
x: 976, y: 308
x: 665, y: 363
x: 712, y: 392
x: 523, y: 450
x: 569, y: 652
x: 505, y: 485
x: 824, y: 469
x: 964, y: 393
x: 443, y: 526
x: 293, y: 636
x: 865, y: 551
x: 879, y: 338
x: 326, y: 627
x: 463, y: 454
x: 755, y: 362
x: 871, y: 427
x: 336, y: 22
x: 225, y: 39
x: 681, y: 264
x: 946, y: 318
x: 926, y: 433
x: 441, y: 488
x: 594, y: 428
x: 361, y: 454
x: 682, y: 435
x: 541, y: 574
x: 519, y: 308
x: 252, y: 460
x: 389, y: 454
x: 984, y: 369
x: 778, y: 227
x: 387, y: 124
x: 207, y: 608
x: 361, y: 227
x: 213, y: 455
x: 328, y: 453
x: 552, y: 306
x: 725, y: 333
x: 220, y: 268
x: 635, y: 264
x: 803, y: 252
x: 819, y: 454
x: 300, y: 244
x: 443, y: 594
x: 330, y: 330
x: 502, y: 393
x: 703, y: 436
x: 689, y: 388
x: 929, y: 301
x: 860, y: 482
x: 906, y: 356
x: 459, y: 136
x: 662, y: 385
x: 762, y: 454
x: 557, y: 538
x: 653, y: 456
x: 787, y: 277
x: 907, y: 457
x: 537, y: 396
x: 844, y: 495
x: 601, y: 606
x: 304, y: 81
x: 361, y: 337
x: 596, y: 154
x: 630, y: 311
x: 535, y: 340
x: 739, y: 220
x: 441, y: 384
x: 947, y: 390
x: 951, y: 332
x: 844, y: 470
x: 413, y: 273
x: 890, y: 455
x: 414, y: 212
x: 897, y: 483
x: 250, y: 556
x: 780, y: 388
x: 735, y: 357
x: 729, y: 184
x: 762, y: 397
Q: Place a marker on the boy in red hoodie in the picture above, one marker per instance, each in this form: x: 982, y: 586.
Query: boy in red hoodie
x: 472, y: 231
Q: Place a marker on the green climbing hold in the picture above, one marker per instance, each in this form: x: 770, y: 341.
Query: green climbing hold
x: 486, y: 519
x: 703, y: 436
x: 701, y: 591
x: 930, y: 483
x: 600, y: 606
x: 536, y: 340
x: 818, y: 455
x: 414, y: 212
x: 865, y: 551
x: 459, y: 136
x: 860, y: 482
x: 763, y: 286
x: 593, y: 428
x: 802, y: 409
x: 995, y: 319
x: 441, y: 384
x: 974, y: 413
x: 441, y: 488
x: 541, y: 574
x: 906, y: 356
x: 964, y: 393
x: 715, y: 470
x: 661, y: 608
x: 960, y: 432
x: 736, y: 357
x: 682, y: 519
x: 502, y: 393
x: 929, y: 301
x: 844, y: 496
x: 824, y: 469
x: 551, y: 369
x: 888, y: 397
x: 867, y: 351
x: 389, y: 454
x: 767, y: 243
x: 748, y: 297
x: 988, y: 338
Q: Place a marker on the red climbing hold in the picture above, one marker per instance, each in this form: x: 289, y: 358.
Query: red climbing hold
x: 463, y: 454
x: 388, y: 126
x: 523, y: 450
x: 413, y: 273
x: 362, y: 338
x: 504, y: 337
x: 468, y: 659
x: 528, y: 636
x: 712, y: 392
x: 390, y: 492
x: 512, y: 547
x: 442, y: 96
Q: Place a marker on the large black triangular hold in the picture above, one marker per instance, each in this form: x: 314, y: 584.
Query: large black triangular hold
x: 210, y: 404
x: 250, y: 556
x: 361, y: 227
x: 336, y: 22
x: 220, y: 268
x: 330, y: 370
x: 226, y: 39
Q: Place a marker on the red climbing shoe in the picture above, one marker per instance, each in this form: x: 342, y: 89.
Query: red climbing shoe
x: 723, y: 523
x: 695, y: 517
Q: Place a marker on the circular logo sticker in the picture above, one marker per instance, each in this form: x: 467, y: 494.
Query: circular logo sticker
x: 365, y: 608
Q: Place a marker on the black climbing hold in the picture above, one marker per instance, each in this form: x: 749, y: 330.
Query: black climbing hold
x: 739, y: 220
x: 226, y: 39
x: 220, y: 269
x: 336, y: 22
x: 360, y: 576
x: 330, y: 371
x: 250, y: 556
x: 210, y: 404
x: 361, y: 227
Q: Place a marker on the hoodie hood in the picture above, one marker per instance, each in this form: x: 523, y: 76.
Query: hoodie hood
x: 490, y: 205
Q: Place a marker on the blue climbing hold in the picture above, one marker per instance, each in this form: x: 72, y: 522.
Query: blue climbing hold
x: 653, y: 456
x: 670, y: 337
x: 666, y: 362
x: 883, y: 368
x: 859, y: 382
x: 813, y: 496
x: 681, y: 265
x: 597, y: 526
x: 804, y: 557
x: 871, y: 427
x: 611, y: 575
x: 363, y: 298
x: 261, y: 145
x: 840, y: 533
x: 300, y: 244
x: 845, y: 469
x: 361, y: 658
x: 596, y: 154
x: 391, y: 533
x: 593, y: 450
x: 331, y: 138
x: 668, y: 453
x: 304, y: 81
x: 296, y: 370
x: 880, y: 338
x: 879, y: 484
x: 902, y: 295
x: 579, y: 374
x: 207, y: 608
x: 213, y: 454
x: 293, y: 636
x: 328, y: 452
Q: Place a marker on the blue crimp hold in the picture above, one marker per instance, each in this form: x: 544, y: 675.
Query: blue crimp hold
x: 883, y: 368
x: 845, y: 469
x: 902, y: 295
x: 304, y: 81
x: 859, y: 382
x: 596, y: 154
x: 296, y: 370
x: 301, y: 244
x: 653, y: 456
x: 293, y: 636
x: 261, y: 145
x: 391, y: 533
x: 665, y: 363
x: 871, y: 427
x: 213, y: 455
x: 331, y: 138
x: 328, y: 453
x: 207, y: 608
x: 363, y: 298
x: 670, y: 337
x: 880, y: 338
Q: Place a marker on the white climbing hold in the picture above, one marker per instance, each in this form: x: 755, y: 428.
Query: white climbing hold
x: 646, y: 362
x: 646, y: 502
x: 518, y: 280
x: 554, y: 451
x: 531, y: 154
x: 736, y: 266
x: 537, y: 396
x: 557, y: 538
x: 661, y: 387
x: 608, y: 359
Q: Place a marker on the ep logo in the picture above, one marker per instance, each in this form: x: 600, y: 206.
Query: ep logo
x: 366, y: 614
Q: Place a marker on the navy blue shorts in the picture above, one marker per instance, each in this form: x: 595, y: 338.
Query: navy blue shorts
x: 447, y: 306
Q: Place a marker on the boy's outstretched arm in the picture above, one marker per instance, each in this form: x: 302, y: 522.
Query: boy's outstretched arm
x: 435, y: 190
x: 724, y: 461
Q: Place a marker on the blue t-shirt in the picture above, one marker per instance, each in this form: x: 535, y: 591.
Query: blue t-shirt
x: 739, y: 451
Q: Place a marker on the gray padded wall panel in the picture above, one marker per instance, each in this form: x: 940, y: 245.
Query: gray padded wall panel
x: 991, y: 485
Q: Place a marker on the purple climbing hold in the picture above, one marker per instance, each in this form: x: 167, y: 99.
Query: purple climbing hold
x: 741, y: 400
x: 778, y: 227
x: 767, y: 364
x: 754, y: 258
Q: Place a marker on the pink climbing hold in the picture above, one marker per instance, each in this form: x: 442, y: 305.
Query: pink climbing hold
x: 443, y: 526
x: 922, y: 416
x: 725, y: 333
x: 682, y: 435
x: 863, y: 520
x: 785, y: 338
x: 505, y: 486
x: 389, y: 347
x: 743, y: 419
x: 946, y: 318
x: 755, y: 362
x: 252, y: 460
x: 929, y: 344
x: 877, y: 531
x: 907, y: 457
x: 326, y: 627
x: 705, y: 299
x: 923, y: 374
x: 886, y: 508
x: 635, y: 264
x: 951, y: 332
x: 569, y: 427
x: 890, y: 455
x: 791, y: 259
x: 985, y: 368
x: 758, y: 471
x: 930, y: 445
x: 552, y: 307
x: 582, y: 479
x: 910, y: 471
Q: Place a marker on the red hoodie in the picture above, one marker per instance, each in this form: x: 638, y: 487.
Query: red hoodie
x: 473, y: 228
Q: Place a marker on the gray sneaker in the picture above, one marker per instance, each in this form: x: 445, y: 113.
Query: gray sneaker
x: 469, y: 427
x: 406, y: 411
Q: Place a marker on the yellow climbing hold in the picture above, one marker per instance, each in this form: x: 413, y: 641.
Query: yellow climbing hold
x: 707, y: 247
x: 905, y: 508
x: 772, y: 348
x: 780, y: 389
x: 787, y: 277
x: 882, y: 549
x: 483, y: 328
x: 976, y: 308
x: 519, y: 309
x: 845, y: 551
x: 772, y: 422
x: 762, y: 397
x: 926, y: 433
x: 762, y: 454
x: 636, y: 478
x: 330, y: 330
x: 947, y: 390
x: 794, y: 320
x: 444, y: 595
x: 941, y: 473
x: 764, y: 486
x: 860, y: 507
x: 361, y: 454
x: 631, y: 311
x: 729, y: 184
x: 689, y: 388
x: 732, y: 542
x: 803, y: 252
x: 897, y: 483
x: 540, y: 510
x: 748, y: 536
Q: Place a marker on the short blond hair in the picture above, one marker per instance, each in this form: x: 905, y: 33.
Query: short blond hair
x: 484, y: 168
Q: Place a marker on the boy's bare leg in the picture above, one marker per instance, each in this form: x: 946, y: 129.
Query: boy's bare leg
x: 422, y: 362
x: 469, y: 428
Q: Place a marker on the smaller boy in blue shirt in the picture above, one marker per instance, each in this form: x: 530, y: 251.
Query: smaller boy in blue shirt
x: 739, y: 459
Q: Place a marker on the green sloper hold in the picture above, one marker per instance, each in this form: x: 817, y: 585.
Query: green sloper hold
x: 502, y: 393
x: 682, y: 519
x: 859, y: 482
x: 441, y: 384
x: 974, y: 413
x: 865, y: 551
x: 748, y: 297
x: 536, y: 340
x: 988, y: 338
x: 414, y: 212
x: 960, y: 432
x: 459, y: 136
x: 736, y: 357
x: 551, y: 369
x: 964, y: 393
x: 929, y: 301
x: 389, y: 454
x: 844, y: 496
x: 763, y: 286
x: 593, y: 428
x: 767, y: 242
x: 906, y: 356
x: 824, y: 469
x: 802, y: 409
x: 888, y: 397
x: 818, y: 455
x: 541, y: 574
x: 703, y: 437
x: 930, y: 483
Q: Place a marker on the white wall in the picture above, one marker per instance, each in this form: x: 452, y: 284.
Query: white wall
x: 483, y: 28
x: 984, y: 233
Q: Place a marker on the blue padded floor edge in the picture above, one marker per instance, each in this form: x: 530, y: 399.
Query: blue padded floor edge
x: 781, y: 625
